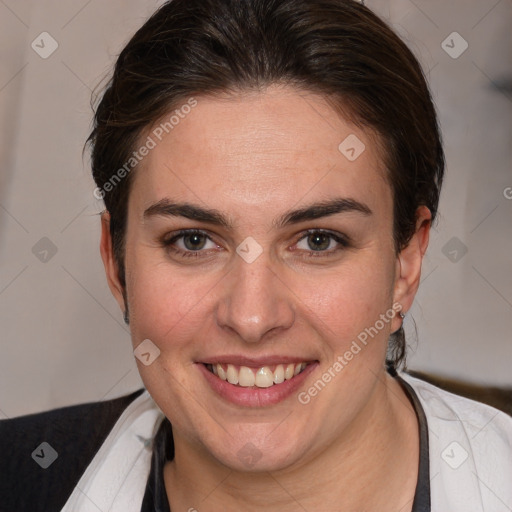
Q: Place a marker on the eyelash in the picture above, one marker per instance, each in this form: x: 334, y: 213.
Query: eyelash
x: 343, y: 242
x: 168, y: 242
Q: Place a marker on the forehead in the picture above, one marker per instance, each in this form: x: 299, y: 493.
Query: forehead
x: 260, y: 149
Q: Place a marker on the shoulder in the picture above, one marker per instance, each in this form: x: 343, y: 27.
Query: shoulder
x: 442, y: 406
x: 33, y: 476
x: 470, y: 450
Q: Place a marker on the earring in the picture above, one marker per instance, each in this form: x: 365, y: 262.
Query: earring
x: 125, y: 317
x: 402, y: 315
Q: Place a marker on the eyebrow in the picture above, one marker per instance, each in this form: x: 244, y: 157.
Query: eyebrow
x: 166, y: 208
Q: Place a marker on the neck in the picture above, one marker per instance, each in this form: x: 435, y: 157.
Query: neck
x: 373, y: 465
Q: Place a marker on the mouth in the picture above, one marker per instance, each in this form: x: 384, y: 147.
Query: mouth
x: 251, y: 383
x: 259, y: 377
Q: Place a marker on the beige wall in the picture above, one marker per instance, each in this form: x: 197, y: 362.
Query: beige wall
x: 62, y: 336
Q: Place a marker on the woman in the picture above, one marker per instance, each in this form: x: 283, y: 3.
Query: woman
x: 270, y: 171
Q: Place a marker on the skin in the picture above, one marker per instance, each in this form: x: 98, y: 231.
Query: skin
x: 253, y: 157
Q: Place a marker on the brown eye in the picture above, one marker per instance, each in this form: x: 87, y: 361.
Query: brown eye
x: 319, y: 241
x: 189, y: 243
x: 194, y: 241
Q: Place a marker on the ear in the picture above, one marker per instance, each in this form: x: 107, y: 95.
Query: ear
x: 408, y: 264
x: 109, y: 262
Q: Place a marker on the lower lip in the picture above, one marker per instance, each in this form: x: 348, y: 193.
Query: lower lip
x: 254, y: 396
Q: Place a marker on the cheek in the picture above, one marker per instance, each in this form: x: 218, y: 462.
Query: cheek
x: 165, y: 305
x: 170, y: 310
x: 349, y: 300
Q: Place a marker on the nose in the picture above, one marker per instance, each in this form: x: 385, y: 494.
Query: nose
x: 255, y: 303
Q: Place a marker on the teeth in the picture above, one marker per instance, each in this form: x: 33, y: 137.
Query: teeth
x: 264, y: 377
x: 220, y: 372
x: 279, y: 374
x: 232, y: 374
x: 246, y: 377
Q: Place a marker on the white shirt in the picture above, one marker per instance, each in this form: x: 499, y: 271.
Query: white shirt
x: 470, y: 451
x: 470, y: 456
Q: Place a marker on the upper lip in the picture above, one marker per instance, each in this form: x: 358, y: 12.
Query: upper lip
x: 238, y: 360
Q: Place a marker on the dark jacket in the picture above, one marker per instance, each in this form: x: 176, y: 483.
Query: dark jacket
x: 37, y: 477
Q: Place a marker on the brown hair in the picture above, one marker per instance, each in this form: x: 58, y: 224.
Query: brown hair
x: 337, y: 48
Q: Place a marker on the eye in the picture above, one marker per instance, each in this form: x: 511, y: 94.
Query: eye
x: 189, y: 243
x: 319, y: 241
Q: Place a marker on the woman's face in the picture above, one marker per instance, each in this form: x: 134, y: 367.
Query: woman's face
x: 289, y: 260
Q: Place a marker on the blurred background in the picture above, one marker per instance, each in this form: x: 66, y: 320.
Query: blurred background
x: 63, y: 340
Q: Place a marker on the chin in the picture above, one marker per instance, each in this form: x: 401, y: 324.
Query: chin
x: 259, y: 452
x: 249, y: 458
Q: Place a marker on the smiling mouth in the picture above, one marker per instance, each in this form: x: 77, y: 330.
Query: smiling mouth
x: 262, y: 377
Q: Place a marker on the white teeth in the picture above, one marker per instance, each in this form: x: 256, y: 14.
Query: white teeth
x: 246, y: 377
x: 279, y: 374
x: 232, y: 374
x: 220, y: 372
x: 264, y: 377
